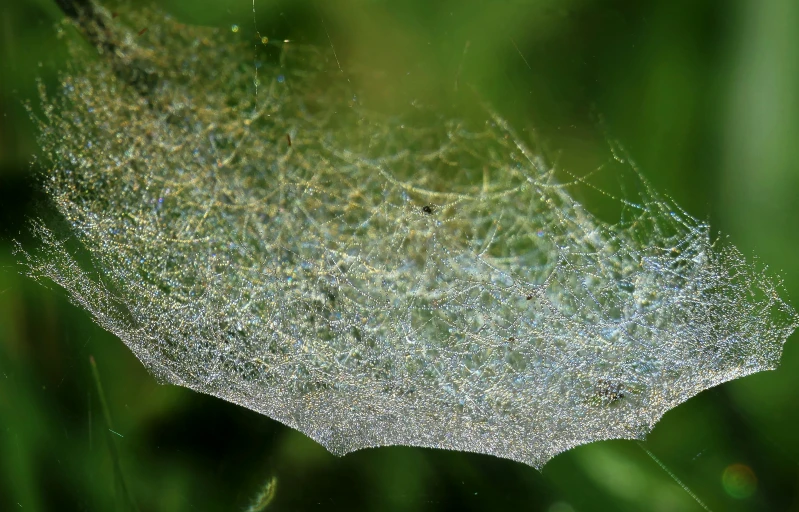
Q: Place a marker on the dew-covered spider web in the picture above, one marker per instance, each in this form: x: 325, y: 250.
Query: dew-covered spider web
x: 374, y: 279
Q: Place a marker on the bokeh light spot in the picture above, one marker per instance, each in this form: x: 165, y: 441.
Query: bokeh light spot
x: 739, y: 481
x: 560, y: 506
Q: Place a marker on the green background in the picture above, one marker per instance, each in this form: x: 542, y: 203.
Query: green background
x: 703, y: 95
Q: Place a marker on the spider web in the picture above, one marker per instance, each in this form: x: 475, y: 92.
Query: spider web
x: 369, y: 279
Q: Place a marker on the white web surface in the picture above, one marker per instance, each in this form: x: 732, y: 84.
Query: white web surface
x: 371, y: 280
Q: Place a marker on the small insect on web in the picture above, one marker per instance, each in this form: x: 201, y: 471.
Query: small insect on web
x: 362, y: 280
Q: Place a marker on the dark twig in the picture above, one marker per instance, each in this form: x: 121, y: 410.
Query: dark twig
x: 76, y: 8
x: 94, y: 24
x: 90, y: 21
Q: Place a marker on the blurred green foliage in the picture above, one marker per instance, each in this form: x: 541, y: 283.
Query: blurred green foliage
x: 704, y: 96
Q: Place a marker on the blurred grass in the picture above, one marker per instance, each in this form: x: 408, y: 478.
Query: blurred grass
x: 704, y: 95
